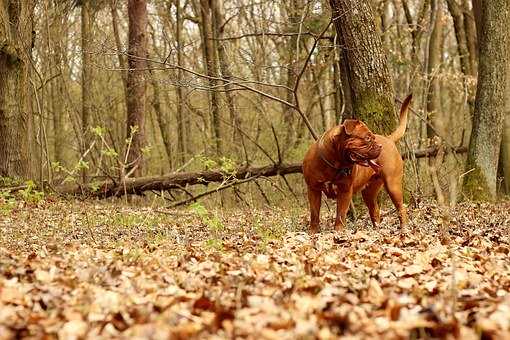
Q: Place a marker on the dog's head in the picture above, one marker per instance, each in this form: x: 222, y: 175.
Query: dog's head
x: 357, y: 143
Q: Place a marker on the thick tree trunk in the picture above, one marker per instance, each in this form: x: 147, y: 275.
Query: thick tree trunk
x: 504, y: 160
x: 505, y: 149
x: 481, y: 181
x: 16, y: 20
x: 369, y: 77
x: 136, y: 84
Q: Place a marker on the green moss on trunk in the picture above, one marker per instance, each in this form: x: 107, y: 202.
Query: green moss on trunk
x: 475, y: 186
x: 376, y: 111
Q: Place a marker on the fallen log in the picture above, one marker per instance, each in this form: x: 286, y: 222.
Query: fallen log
x: 183, y: 179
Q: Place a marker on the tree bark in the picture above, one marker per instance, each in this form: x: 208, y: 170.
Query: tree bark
x: 504, y: 160
x: 16, y: 40
x: 484, y: 146
x: 369, y: 77
x: 505, y: 146
x: 136, y: 82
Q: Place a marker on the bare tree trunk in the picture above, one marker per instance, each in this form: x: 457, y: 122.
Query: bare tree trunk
x: 465, y: 34
x: 118, y: 43
x: 86, y: 77
x: 212, y: 71
x: 161, y: 117
x: 57, y: 88
x: 182, y: 125
x: 460, y: 34
x: 481, y: 180
x: 136, y: 85
x: 218, y: 24
x: 293, y: 8
x: 16, y: 20
x: 434, y: 114
x: 369, y: 77
x: 470, y: 25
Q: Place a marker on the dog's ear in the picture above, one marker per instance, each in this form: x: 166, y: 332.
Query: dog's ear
x: 349, y: 126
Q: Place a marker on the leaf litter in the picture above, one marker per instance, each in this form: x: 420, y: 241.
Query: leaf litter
x: 75, y: 270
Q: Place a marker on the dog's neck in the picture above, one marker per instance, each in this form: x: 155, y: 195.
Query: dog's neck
x: 330, y: 153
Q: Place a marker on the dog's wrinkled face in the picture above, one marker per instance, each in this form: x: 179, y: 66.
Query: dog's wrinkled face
x: 358, y: 143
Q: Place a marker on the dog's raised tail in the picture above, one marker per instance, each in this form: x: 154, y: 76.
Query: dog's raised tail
x: 401, y: 128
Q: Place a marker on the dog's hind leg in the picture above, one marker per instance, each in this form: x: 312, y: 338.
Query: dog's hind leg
x: 369, y: 194
x: 394, y: 188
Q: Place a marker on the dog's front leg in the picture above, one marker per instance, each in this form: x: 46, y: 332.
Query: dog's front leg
x: 342, y: 206
x: 314, y: 199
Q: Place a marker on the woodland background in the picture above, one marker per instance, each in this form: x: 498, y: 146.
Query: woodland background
x: 226, y: 84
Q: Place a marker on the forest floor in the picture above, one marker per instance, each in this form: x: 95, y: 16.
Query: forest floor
x: 74, y: 269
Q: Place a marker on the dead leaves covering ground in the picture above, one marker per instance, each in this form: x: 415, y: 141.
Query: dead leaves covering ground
x: 87, y: 270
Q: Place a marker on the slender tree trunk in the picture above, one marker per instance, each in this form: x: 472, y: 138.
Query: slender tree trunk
x: 343, y: 89
x: 118, y: 44
x: 369, y: 77
x: 16, y: 20
x: 218, y: 18
x: 339, y: 98
x: 434, y: 114
x: 460, y: 35
x: 212, y: 71
x: 470, y: 25
x: 182, y: 125
x: 294, y: 9
x: 136, y: 84
x: 481, y: 180
x: 465, y: 34
x: 86, y: 77
x: 161, y: 117
x: 57, y: 88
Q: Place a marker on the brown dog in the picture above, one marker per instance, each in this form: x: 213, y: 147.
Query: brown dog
x: 348, y: 158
